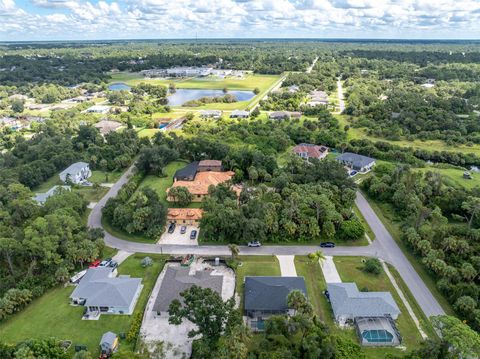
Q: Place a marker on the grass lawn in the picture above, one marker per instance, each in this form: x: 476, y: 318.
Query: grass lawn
x: 160, y: 184
x: 52, y: 316
x: 454, y: 176
x: 101, y: 176
x: 349, y: 269
x: 255, y: 266
x: 387, y: 215
x: 315, y: 283
x: 107, y: 226
x: 148, y: 132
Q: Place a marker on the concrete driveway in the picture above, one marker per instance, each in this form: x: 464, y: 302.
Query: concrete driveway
x: 180, y: 239
x: 287, y: 266
x: 330, y: 271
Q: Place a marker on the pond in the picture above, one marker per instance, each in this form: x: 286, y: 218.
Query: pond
x: 118, y: 86
x: 184, y: 95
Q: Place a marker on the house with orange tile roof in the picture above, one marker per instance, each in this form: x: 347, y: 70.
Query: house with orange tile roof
x: 187, y: 216
x: 308, y: 150
x: 198, y: 187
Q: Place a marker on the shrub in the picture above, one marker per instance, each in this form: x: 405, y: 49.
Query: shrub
x: 147, y: 262
x: 134, y: 328
x: 372, y: 265
x: 351, y: 230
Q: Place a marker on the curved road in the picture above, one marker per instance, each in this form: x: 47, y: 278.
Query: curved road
x: 383, y: 247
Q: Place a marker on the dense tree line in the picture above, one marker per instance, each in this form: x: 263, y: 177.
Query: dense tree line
x: 433, y: 214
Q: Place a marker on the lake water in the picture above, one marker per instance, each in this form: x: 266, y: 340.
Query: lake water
x: 185, y: 95
x: 119, y: 86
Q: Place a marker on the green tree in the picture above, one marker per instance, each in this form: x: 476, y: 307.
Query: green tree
x: 256, y: 90
x: 351, y: 230
x: 17, y: 106
x: 462, y: 341
x: 472, y: 206
x: 372, y: 265
x: 181, y: 195
x: 235, y: 250
x: 297, y: 300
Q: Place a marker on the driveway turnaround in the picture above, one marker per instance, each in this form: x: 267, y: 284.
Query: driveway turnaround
x: 329, y: 270
x: 287, y: 266
x: 383, y: 247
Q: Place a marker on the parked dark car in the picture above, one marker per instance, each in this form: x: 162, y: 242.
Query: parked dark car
x: 254, y: 244
x: 327, y: 245
x: 171, y: 228
x: 113, y: 264
x: 193, y: 234
x: 183, y: 229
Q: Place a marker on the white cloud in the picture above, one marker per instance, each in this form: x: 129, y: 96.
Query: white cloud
x: 232, y: 18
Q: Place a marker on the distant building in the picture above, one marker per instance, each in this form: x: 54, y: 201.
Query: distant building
x: 100, y: 291
x: 211, y: 114
x: 279, y: 115
x: 356, y: 162
x: 98, y: 109
x: 266, y: 296
x: 76, y: 173
x: 293, y: 89
x: 185, y: 216
x: 318, y: 98
x: 107, y: 126
x: 239, y: 114
x: 41, y: 198
x: 348, y: 303
x: 307, y: 151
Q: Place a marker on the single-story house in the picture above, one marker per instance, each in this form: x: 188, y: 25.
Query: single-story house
x: 210, y: 114
x: 108, y: 343
x: 210, y: 165
x: 41, y: 198
x: 239, y: 114
x: 293, y: 89
x: 100, y: 291
x: 266, y: 296
x: 107, y: 126
x: 308, y: 150
x: 98, y: 109
x: 76, y: 173
x: 356, y: 162
x: 349, y: 303
x: 377, y: 331
x: 178, y: 279
x: 318, y: 98
x: 279, y: 115
x: 184, y: 216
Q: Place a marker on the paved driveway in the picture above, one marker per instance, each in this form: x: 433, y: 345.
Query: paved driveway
x: 181, y: 239
x: 287, y: 266
x: 329, y: 270
x: 384, y: 247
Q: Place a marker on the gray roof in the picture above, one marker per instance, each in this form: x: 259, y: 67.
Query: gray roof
x: 108, y: 338
x: 42, y: 197
x: 355, y: 160
x: 210, y: 113
x: 280, y: 114
x: 189, y: 170
x: 72, y: 170
x: 101, y: 290
x: 346, y: 299
x: 178, y: 279
x: 270, y: 293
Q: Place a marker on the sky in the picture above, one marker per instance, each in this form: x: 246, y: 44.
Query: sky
x: 25, y: 20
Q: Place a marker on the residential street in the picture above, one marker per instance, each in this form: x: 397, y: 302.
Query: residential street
x: 383, y: 247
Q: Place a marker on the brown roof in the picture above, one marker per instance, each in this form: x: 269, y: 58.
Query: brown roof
x: 107, y: 126
x: 210, y: 163
x: 312, y: 151
x: 184, y: 213
x: 203, y: 180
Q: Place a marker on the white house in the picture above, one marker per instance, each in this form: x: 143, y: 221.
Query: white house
x: 76, y: 173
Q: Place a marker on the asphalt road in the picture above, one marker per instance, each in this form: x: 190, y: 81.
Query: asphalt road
x: 383, y: 247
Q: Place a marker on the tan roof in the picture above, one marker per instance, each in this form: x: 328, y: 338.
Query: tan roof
x: 210, y: 163
x: 184, y: 213
x: 107, y: 126
x: 203, y: 180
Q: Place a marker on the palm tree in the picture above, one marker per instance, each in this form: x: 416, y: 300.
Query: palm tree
x: 234, y: 249
x: 317, y: 256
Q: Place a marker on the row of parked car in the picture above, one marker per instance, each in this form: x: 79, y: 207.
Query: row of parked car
x: 107, y: 262
x: 183, y: 230
x: 323, y: 244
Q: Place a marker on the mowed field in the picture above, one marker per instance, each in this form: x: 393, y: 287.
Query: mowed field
x: 250, y: 82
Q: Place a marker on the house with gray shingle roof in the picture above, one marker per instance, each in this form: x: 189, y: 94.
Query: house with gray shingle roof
x: 100, y: 291
x: 178, y: 279
x: 41, y: 198
x: 76, y: 173
x: 356, y: 162
x: 239, y: 114
x: 349, y: 303
x: 266, y: 296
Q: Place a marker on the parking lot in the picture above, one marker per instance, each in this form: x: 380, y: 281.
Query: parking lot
x: 177, y: 238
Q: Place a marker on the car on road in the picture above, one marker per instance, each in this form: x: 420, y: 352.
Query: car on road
x: 254, y: 244
x: 327, y: 245
x: 171, y: 228
x: 193, y: 234
x: 183, y: 229
x: 94, y: 264
x: 105, y: 263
